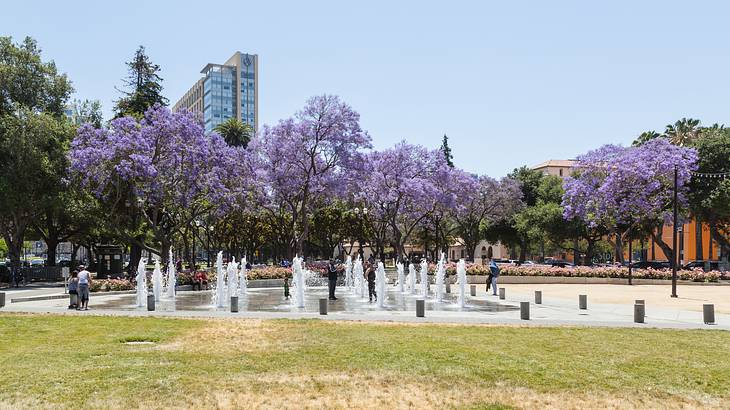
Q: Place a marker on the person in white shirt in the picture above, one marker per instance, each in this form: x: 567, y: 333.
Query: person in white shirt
x: 83, y: 289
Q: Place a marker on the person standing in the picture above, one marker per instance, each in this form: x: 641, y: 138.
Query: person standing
x: 371, y: 282
x: 83, y: 289
x: 332, y: 276
x: 494, y: 274
x: 73, y: 290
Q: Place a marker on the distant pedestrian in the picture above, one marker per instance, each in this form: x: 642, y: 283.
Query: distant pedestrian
x: 83, y: 289
x: 494, y: 274
x: 371, y: 282
x: 73, y: 290
x: 332, y: 277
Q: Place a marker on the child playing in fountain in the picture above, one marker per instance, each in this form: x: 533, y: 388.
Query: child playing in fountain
x: 371, y: 281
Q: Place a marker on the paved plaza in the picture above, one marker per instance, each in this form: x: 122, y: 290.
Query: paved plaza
x: 608, y: 305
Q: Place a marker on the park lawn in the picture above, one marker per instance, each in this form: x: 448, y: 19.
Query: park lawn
x: 83, y: 362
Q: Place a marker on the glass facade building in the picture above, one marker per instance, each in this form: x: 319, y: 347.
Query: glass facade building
x: 228, y: 90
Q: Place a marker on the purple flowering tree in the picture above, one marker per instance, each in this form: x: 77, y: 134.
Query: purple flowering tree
x: 303, y: 161
x: 481, y: 200
x: 403, y: 185
x: 629, y: 187
x: 157, y: 175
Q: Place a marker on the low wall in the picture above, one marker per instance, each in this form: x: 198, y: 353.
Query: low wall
x: 477, y: 279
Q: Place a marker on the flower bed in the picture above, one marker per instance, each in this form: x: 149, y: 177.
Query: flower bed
x: 110, y: 285
x: 695, y: 275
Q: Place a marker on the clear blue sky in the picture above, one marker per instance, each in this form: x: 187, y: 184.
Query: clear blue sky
x: 511, y: 83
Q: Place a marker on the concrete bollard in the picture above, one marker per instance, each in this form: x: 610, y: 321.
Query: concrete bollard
x: 538, y: 297
x: 639, y: 302
x: 234, y: 304
x: 150, y: 303
x: 323, y: 306
x: 420, y: 308
x: 525, y: 310
x: 473, y: 290
x: 639, y: 312
x: 2, y: 299
x: 502, y: 294
x: 708, y: 314
x: 448, y: 287
x: 583, y: 302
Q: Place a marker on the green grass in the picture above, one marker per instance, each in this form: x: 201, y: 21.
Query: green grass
x: 67, y: 361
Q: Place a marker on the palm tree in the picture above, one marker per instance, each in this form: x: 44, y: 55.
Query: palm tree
x: 683, y: 132
x: 235, y: 132
x: 645, y: 137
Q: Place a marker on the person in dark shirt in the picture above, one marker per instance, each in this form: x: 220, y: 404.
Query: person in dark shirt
x: 332, y: 276
x: 371, y: 282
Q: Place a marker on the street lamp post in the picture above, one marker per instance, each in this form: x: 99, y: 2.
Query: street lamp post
x: 630, y: 252
x: 674, y: 236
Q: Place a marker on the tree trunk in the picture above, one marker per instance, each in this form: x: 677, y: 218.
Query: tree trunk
x: 52, y: 244
x: 619, y: 249
x: 666, y: 249
x: 576, y: 252
x: 135, y: 254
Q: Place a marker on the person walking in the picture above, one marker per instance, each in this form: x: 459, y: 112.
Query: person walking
x: 493, y: 274
x: 83, y: 289
x: 371, y: 282
x: 332, y: 276
x: 73, y: 288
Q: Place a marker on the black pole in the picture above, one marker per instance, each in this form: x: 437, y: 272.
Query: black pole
x: 674, y: 237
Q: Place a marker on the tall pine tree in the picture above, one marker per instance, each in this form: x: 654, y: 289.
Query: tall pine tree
x: 447, y: 151
x: 144, y: 87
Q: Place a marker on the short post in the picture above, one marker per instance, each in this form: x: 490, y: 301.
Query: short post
x: 583, y: 302
x: 2, y: 299
x: 525, y: 310
x: 639, y: 312
x: 502, y: 293
x: 420, y: 308
x: 150, y: 303
x: 708, y: 314
x: 639, y: 302
x: 322, y: 306
x: 448, y: 287
x: 538, y: 297
x: 234, y: 304
x: 473, y: 290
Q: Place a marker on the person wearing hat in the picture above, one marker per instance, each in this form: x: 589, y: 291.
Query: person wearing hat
x: 83, y: 288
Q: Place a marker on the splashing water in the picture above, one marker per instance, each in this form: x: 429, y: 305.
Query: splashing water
x: 348, y: 273
x: 157, y: 281
x: 412, y: 279
x: 424, y: 277
x: 440, y: 275
x: 171, y: 277
x: 232, y: 275
x: 461, y: 280
x: 380, y: 285
x: 359, y: 279
x: 219, y: 297
x: 298, y: 281
x: 401, y: 277
x: 141, y: 283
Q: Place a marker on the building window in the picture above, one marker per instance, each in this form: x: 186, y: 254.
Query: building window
x: 561, y: 172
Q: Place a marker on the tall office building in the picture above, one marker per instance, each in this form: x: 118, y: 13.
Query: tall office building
x: 229, y: 90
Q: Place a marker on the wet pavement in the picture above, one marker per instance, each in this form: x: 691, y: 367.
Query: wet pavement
x: 272, y: 300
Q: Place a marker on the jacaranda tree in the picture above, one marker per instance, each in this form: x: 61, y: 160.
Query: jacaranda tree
x: 164, y: 167
x: 629, y: 187
x: 305, y: 160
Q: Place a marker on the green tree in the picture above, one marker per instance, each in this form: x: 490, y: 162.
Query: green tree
x: 144, y: 87
x: 235, y: 132
x: 446, y: 149
x: 710, y: 195
x: 87, y: 112
x: 34, y: 138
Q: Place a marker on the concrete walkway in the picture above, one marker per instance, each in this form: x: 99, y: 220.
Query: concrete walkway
x: 608, y: 306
